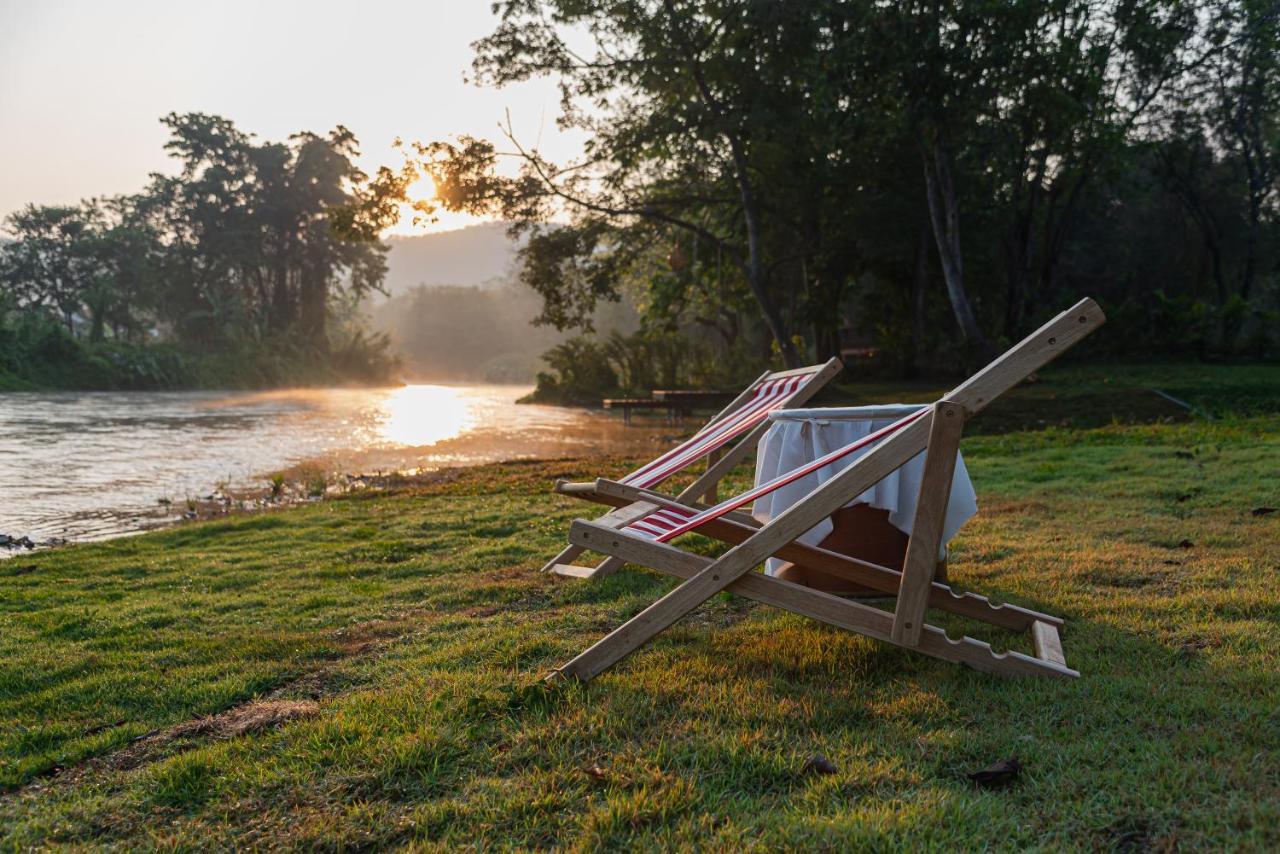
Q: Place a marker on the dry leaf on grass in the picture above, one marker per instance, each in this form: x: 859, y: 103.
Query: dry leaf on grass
x: 1000, y: 773
x: 818, y: 764
x: 596, y: 772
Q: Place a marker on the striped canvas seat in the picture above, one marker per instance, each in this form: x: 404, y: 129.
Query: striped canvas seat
x: 768, y: 395
x: 723, y: 443
x: 661, y: 522
x: 672, y: 520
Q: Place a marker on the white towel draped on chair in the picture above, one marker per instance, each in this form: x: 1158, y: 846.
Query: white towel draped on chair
x: 798, y: 436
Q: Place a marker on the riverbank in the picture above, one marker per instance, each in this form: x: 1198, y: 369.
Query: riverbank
x: 363, y: 672
x: 40, y: 355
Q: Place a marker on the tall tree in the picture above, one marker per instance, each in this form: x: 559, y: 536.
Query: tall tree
x: 698, y: 126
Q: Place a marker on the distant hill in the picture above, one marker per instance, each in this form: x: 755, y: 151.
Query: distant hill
x: 476, y: 256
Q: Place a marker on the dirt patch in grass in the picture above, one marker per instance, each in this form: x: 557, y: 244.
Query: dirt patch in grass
x: 240, y: 720
x: 296, y: 699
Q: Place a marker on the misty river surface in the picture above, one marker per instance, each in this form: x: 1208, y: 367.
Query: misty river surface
x: 92, y: 465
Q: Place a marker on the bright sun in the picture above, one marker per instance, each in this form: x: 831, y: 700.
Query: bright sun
x: 424, y: 189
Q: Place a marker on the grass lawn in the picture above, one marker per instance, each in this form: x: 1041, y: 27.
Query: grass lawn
x: 363, y: 672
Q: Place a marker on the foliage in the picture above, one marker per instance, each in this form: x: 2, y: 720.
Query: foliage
x: 38, y: 352
x: 934, y: 176
x: 249, y: 248
x: 586, y: 369
x: 407, y: 630
x: 582, y: 374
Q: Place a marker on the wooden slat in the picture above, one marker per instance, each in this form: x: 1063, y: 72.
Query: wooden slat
x: 622, y: 516
x: 1032, y: 353
x: 566, y: 555
x: 572, y: 570
x: 607, y: 567
x: 712, y: 495
x: 567, y: 487
x: 926, y: 530
x: 1048, y: 645
x: 815, y: 604
x: 778, y: 375
x: 881, y: 578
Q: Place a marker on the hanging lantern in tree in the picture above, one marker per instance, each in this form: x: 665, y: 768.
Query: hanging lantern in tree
x: 676, y: 259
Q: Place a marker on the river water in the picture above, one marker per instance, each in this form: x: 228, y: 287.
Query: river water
x: 92, y: 465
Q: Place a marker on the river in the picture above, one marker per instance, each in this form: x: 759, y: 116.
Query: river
x: 93, y: 465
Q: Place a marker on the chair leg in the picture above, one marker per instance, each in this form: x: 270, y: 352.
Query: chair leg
x: 921, y: 562
x: 570, y: 552
x: 608, y: 567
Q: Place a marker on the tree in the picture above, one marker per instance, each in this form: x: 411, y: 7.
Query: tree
x: 248, y: 245
x: 1244, y: 73
x: 699, y: 131
x: 44, y: 265
x: 260, y: 235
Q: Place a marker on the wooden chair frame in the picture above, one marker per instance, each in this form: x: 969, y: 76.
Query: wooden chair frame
x: 719, y: 462
x: 914, y: 586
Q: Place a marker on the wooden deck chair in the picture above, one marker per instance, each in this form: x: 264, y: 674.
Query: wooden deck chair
x: 935, y: 430
x: 741, y: 423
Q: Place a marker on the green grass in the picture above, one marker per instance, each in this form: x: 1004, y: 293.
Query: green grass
x: 390, y: 645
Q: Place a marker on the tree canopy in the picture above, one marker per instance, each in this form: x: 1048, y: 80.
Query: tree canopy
x: 931, y: 176
x: 247, y: 245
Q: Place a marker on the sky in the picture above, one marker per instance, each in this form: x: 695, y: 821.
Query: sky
x: 83, y: 84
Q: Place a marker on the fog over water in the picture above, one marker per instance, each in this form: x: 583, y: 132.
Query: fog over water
x: 92, y: 465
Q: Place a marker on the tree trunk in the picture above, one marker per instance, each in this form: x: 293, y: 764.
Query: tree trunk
x: 97, y: 322
x: 313, y: 296
x: 826, y: 319
x: 1251, y: 243
x: 1019, y: 250
x: 757, y: 278
x: 280, y: 313
x: 919, y: 282
x: 944, y: 215
x: 1185, y: 188
x: 1019, y: 274
x: 755, y: 272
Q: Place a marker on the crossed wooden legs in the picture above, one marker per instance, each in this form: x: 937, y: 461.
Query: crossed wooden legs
x: 914, y: 586
x: 732, y: 571
x: 827, y: 608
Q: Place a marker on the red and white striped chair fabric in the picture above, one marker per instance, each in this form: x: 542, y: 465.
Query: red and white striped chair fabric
x: 660, y: 522
x: 671, y: 521
x: 768, y: 395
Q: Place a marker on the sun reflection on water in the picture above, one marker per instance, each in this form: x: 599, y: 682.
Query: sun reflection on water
x: 423, y: 415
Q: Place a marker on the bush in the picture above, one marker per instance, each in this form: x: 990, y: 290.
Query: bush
x: 38, y: 352
x: 582, y: 374
x: 584, y: 371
